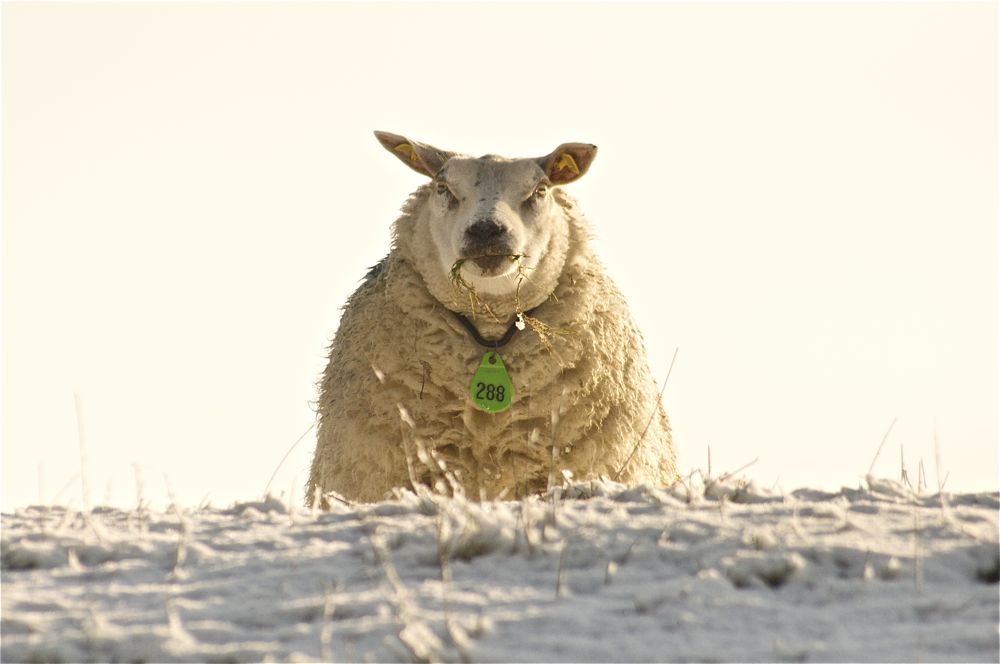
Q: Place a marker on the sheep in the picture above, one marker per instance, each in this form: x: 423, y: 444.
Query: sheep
x: 490, y: 266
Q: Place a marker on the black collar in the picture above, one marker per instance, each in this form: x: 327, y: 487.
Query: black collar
x: 487, y: 343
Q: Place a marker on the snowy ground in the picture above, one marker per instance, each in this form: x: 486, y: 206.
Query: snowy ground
x: 715, y: 572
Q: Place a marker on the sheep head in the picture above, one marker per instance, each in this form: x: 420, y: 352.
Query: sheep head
x: 491, y: 218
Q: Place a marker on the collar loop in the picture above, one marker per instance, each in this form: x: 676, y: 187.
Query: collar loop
x: 487, y: 343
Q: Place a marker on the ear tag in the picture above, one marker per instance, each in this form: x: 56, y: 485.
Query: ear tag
x: 491, y: 389
x: 566, y: 161
x: 408, y: 150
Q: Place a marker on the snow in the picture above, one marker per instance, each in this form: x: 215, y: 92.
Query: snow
x: 713, y: 570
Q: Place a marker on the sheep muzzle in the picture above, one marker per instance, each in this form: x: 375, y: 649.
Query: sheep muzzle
x: 493, y: 262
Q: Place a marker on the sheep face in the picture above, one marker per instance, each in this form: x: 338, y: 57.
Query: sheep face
x: 489, y: 217
x: 496, y: 216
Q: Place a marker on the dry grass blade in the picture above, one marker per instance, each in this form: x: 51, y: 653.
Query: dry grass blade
x: 84, y: 487
x: 904, y: 476
x: 561, y: 574
x: 881, y: 445
x: 459, y: 638
x: 651, y: 416
x: 278, y: 467
x: 326, y: 631
x: 724, y: 476
x: 69, y: 483
x: 460, y: 283
x: 918, y: 569
x: 945, y: 508
x: 420, y: 642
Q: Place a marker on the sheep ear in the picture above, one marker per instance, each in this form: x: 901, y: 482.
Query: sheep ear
x: 568, y: 162
x: 422, y: 158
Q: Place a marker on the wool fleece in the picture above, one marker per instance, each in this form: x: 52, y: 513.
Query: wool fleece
x: 395, y: 408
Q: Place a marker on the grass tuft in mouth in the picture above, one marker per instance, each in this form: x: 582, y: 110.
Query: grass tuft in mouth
x: 460, y: 284
x: 543, y: 331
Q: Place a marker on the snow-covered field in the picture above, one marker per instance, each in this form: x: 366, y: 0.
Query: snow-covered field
x: 716, y: 571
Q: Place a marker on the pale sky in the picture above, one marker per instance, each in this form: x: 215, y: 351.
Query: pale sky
x: 801, y: 198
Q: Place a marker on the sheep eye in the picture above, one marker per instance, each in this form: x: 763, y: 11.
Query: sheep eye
x: 449, y: 196
x: 540, y: 191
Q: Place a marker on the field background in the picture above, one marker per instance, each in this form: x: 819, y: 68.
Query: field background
x: 802, y: 198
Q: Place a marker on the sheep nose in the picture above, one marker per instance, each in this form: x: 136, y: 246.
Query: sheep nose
x: 484, y: 231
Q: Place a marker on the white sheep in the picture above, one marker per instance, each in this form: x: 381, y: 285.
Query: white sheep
x: 490, y: 266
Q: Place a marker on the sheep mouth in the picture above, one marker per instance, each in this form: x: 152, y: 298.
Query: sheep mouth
x: 489, y: 264
x: 492, y: 263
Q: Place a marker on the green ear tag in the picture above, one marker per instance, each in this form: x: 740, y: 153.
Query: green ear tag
x: 491, y: 389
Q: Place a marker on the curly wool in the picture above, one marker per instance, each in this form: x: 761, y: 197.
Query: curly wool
x: 394, y: 404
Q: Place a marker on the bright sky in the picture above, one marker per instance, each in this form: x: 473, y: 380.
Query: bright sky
x: 801, y: 198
